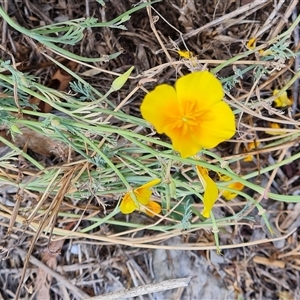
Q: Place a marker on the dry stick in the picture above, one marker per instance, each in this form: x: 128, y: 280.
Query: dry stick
x: 151, y: 19
x: 268, y: 185
x: 136, y: 275
x: 269, y: 23
x: 244, y: 9
x: 123, y: 102
x: 284, y: 19
x: 4, y: 24
x: 50, y: 214
x: 60, y: 279
x: 145, y: 289
x: 260, y: 151
x: 164, y: 48
x: 15, y: 90
x: 296, y: 101
x: 146, y: 242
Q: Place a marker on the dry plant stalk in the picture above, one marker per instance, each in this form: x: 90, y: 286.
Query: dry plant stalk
x: 145, y: 289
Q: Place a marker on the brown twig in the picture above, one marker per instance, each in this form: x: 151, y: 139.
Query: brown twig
x: 145, y: 289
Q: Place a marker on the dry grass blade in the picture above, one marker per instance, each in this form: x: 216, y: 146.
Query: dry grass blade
x: 145, y: 289
x: 73, y: 289
x: 248, y: 9
x: 47, y: 221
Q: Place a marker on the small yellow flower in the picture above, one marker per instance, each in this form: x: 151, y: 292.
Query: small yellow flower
x: 235, y: 186
x: 210, y: 191
x: 142, y: 194
x: 251, y: 43
x: 283, y: 100
x: 193, y: 114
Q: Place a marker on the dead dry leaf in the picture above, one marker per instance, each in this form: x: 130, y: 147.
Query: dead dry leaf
x: 40, y: 143
x: 60, y: 81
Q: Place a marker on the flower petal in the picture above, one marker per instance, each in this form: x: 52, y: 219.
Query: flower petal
x: 127, y: 205
x: 143, y: 193
x: 273, y: 132
x: 150, y: 184
x: 210, y: 193
x: 230, y: 195
x: 151, y: 208
x: 160, y: 106
x: 202, y: 87
x: 210, y: 196
x: 185, y: 144
x: 216, y: 125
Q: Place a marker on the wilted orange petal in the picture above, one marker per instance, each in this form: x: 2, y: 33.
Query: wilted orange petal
x: 236, y: 186
x: 227, y: 195
x: 248, y: 158
x: 142, y: 195
x: 202, y: 88
x: 275, y: 126
x: 265, y: 52
x: 160, y: 107
x: 151, y: 208
x: 224, y: 177
x: 252, y: 145
x: 251, y: 43
x: 127, y: 205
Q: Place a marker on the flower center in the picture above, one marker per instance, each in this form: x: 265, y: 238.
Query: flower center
x: 190, y: 116
x: 189, y: 120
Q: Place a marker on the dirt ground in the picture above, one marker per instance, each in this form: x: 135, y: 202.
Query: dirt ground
x: 265, y: 266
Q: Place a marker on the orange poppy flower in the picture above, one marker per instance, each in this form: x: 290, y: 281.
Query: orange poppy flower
x: 193, y: 114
